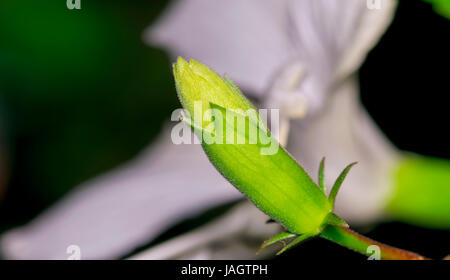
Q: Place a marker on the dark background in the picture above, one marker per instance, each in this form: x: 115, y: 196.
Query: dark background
x: 80, y: 93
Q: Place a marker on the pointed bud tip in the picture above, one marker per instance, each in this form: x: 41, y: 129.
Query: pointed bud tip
x: 180, y: 65
x: 181, y: 60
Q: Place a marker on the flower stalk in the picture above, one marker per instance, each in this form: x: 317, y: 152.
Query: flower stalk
x: 361, y: 244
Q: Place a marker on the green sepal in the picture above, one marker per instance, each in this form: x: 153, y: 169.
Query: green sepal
x: 279, y: 237
x: 322, y: 176
x: 298, y: 240
x: 338, y: 183
x: 333, y: 219
x: 190, y: 123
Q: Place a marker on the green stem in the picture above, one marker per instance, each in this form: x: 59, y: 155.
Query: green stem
x: 352, y: 240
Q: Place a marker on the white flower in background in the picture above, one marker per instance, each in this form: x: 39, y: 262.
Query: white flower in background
x: 300, y: 56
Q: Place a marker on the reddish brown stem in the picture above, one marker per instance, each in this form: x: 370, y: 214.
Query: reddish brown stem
x: 355, y: 241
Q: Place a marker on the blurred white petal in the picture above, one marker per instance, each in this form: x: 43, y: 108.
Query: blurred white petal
x: 247, y: 40
x: 253, y: 41
x: 332, y: 39
x: 126, y: 208
x: 243, y: 222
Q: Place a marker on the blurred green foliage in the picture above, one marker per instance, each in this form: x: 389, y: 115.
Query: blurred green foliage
x: 422, y: 192
x: 441, y: 7
x: 80, y: 93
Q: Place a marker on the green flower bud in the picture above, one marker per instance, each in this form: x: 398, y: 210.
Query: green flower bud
x: 274, y: 181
